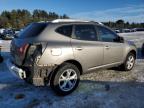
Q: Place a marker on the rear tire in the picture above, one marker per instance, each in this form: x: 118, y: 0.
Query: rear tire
x: 129, y: 62
x: 65, y: 79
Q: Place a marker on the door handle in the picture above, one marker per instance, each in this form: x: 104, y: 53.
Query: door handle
x: 79, y: 48
x: 107, y: 47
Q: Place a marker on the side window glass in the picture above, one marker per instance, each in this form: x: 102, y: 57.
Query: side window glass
x: 65, y: 30
x: 106, y: 35
x: 85, y: 32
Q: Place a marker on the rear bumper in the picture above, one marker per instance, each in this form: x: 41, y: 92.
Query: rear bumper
x: 15, y: 70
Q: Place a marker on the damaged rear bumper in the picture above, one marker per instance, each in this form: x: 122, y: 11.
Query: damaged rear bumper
x: 16, y: 70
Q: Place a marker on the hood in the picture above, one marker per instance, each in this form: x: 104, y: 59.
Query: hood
x: 131, y: 43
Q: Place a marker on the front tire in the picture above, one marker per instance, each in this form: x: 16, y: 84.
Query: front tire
x: 65, y: 79
x: 129, y: 62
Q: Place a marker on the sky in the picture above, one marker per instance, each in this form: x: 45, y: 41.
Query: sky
x: 97, y: 10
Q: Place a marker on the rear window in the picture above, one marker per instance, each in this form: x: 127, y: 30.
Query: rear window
x: 33, y: 30
x: 65, y: 30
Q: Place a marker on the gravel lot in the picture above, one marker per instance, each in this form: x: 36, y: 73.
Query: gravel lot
x: 101, y: 89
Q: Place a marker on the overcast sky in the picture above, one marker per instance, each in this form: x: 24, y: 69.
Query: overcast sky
x: 98, y: 10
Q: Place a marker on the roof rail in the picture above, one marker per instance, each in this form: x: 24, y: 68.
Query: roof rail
x: 100, y: 23
x: 70, y: 20
x: 67, y: 20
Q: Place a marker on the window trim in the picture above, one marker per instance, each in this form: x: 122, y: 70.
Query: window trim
x: 74, y: 36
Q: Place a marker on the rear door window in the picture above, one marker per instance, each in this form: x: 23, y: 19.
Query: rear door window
x: 33, y: 30
x: 85, y: 32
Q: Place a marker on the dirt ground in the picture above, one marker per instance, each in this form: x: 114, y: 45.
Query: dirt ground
x: 102, y: 89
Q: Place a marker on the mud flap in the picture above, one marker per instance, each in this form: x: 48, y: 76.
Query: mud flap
x: 38, y: 81
x: 39, y: 75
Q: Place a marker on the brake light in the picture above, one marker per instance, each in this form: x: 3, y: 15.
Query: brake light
x: 23, y: 49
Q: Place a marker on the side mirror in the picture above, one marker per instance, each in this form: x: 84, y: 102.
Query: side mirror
x: 119, y: 39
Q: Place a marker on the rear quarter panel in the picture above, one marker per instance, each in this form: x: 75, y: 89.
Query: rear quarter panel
x: 48, y: 58
x: 58, y: 42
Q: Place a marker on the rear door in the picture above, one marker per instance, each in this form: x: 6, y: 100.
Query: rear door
x: 87, y: 50
x: 113, y: 50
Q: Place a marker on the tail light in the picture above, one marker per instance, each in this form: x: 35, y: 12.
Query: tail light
x: 23, y: 49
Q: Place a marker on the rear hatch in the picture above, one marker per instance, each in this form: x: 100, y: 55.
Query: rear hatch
x: 20, y: 45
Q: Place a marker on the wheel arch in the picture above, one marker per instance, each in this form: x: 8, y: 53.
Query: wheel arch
x: 72, y: 61
x: 133, y: 52
x: 76, y: 63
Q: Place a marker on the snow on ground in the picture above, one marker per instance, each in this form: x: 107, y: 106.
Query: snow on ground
x: 126, y: 88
